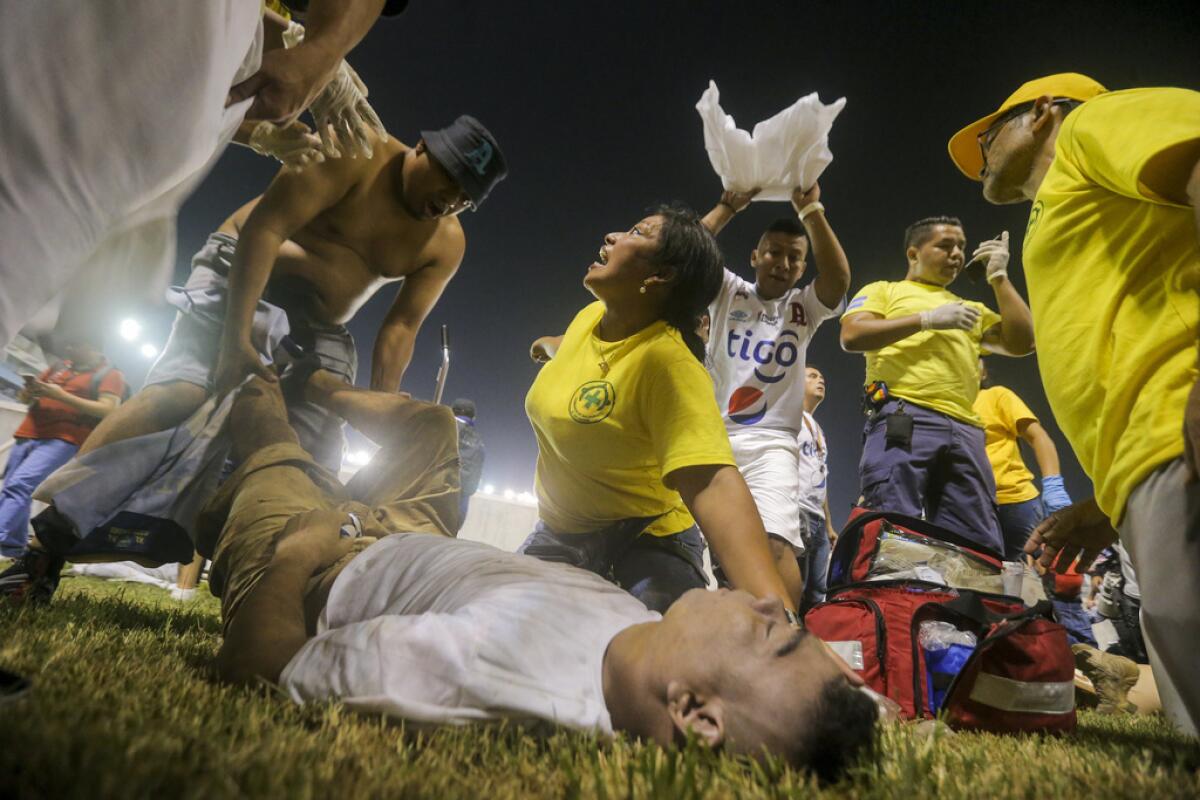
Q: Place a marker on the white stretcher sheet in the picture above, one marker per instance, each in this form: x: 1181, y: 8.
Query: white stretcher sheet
x: 110, y: 114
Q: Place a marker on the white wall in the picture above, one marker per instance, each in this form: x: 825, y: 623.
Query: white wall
x: 499, y: 522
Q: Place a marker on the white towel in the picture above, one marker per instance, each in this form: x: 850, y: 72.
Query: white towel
x: 789, y: 150
x: 110, y: 115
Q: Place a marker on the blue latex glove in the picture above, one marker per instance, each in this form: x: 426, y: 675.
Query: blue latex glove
x: 1054, y: 493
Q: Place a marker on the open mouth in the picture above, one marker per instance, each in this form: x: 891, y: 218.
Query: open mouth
x: 604, y: 254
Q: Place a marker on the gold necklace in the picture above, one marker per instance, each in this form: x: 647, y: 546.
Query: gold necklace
x: 604, y: 366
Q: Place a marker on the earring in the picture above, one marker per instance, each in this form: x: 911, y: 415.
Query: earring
x: 642, y: 290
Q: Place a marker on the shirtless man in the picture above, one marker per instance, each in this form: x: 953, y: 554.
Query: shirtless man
x: 310, y: 252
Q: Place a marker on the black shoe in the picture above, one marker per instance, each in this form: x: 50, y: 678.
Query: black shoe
x: 32, y: 578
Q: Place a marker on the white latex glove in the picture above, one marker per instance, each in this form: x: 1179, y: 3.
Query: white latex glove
x: 341, y: 112
x: 951, y: 316
x: 294, y: 144
x: 996, y: 253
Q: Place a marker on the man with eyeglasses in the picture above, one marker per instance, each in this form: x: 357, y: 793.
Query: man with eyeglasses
x: 300, y: 260
x: 1112, y: 261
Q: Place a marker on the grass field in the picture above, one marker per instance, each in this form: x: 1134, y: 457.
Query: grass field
x: 125, y: 704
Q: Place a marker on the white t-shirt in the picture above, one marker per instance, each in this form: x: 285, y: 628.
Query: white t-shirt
x: 436, y: 630
x: 814, y: 476
x: 756, y: 353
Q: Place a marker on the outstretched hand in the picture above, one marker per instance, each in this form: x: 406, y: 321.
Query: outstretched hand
x: 294, y: 145
x: 802, y: 197
x: 1078, y: 531
x: 287, y: 83
x: 233, y: 365
x: 737, y: 201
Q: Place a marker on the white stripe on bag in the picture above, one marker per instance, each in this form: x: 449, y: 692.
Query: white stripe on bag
x: 850, y: 651
x: 1034, y: 698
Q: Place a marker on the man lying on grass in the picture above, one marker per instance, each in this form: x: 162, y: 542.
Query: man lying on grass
x: 338, y: 599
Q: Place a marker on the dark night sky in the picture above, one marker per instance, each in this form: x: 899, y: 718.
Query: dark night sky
x: 593, y: 106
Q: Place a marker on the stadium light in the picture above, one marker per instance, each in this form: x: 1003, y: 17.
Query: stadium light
x: 358, y: 457
x: 526, y: 497
x: 149, y: 350
x: 489, y: 489
x: 130, y: 329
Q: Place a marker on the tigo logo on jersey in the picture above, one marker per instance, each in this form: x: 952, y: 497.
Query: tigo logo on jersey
x: 742, y: 405
x: 764, y: 352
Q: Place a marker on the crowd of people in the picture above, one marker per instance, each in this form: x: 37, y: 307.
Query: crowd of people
x: 674, y: 414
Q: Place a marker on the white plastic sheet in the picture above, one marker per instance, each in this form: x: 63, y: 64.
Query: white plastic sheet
x: 788, y: 150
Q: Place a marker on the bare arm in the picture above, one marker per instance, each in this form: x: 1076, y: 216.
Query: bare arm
x: 1013, y: 335
x: 726, y: 208
x: 866, y: 331
x: 270, y: 626
x: 394, y: 342
x: 718, y: 498
x: 544, y: 348
x: 291, y: 201
x: 1043, y: 447
x: 829, y: 529
x: 833, y: 268
x: 288, y: 80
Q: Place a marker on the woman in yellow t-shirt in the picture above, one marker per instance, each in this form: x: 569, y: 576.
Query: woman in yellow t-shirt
x: 632, y: 452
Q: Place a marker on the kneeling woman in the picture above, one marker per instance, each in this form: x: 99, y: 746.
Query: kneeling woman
x: 632, y: 452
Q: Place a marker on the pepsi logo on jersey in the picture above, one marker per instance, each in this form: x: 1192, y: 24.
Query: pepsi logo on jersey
x: 744, y: 406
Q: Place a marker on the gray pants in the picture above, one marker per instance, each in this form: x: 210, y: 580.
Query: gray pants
x: 1161, y: 532
x: 190, y: 354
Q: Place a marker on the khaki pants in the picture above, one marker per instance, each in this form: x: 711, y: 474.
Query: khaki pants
x: 410, y: 486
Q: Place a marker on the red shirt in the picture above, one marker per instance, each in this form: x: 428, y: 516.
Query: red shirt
x: 54, y: 419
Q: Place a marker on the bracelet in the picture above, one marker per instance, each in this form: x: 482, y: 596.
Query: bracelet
x: 792, y: 618
x: 810, y: 208
x: 926, y: 320
x: 727, y: 205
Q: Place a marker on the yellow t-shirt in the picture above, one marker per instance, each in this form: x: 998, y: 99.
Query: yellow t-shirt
x: 605, y: 441
x: 935, y: 369
x: 1002, y: 413
x: 1113, y: 270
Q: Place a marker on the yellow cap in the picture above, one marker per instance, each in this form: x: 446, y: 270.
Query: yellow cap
x: 964, y: 145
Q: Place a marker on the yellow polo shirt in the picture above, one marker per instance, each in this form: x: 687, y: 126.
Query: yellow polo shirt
x: 1113, y: 269
x: 607, y: 438
x: 1002, y: 413
x: 935, y: 369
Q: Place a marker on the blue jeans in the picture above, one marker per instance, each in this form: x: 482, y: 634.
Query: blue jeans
x: 815, y: 561
x: 1071, y: 616
x: 1017, y: 521
x: 943, y: 474
x: 29, y: 463
x: 654, y: 569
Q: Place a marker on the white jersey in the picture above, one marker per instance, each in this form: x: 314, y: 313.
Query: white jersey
x: 756, y: 352
x: 814, y: 475
x: 437, y: 630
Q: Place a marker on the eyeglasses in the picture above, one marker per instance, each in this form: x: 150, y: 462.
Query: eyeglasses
x: 988, y: 136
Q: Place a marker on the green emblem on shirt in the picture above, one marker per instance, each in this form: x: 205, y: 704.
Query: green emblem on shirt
x: 1035, y: 216
x: 593, y: 402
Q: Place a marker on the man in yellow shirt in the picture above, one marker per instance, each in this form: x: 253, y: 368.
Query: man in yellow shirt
x: 1007, y: 420
x: 1112, y: 260
x: 923, y: 446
